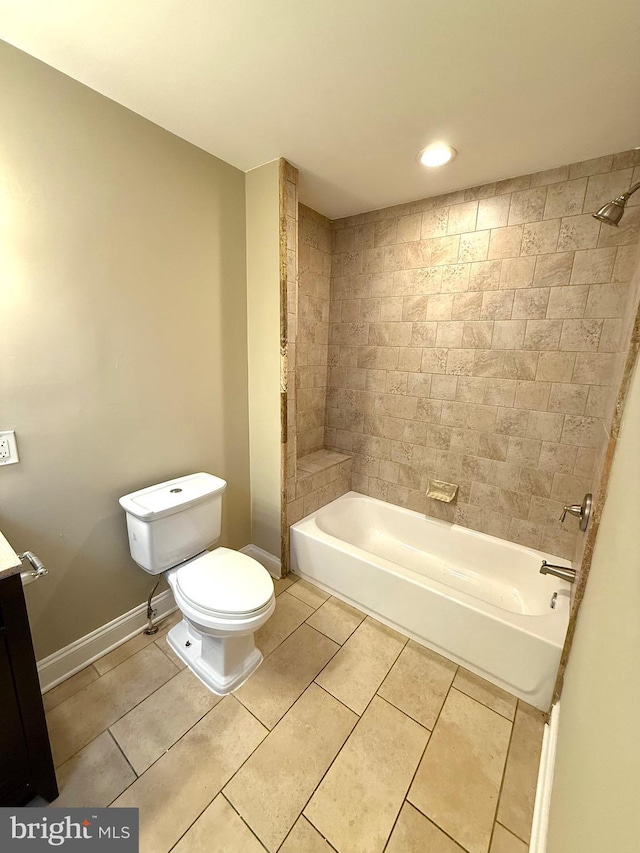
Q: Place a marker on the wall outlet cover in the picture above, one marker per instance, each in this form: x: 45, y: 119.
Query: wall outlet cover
x: 8, y: 448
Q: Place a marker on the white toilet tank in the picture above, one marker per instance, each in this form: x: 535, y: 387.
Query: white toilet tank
x: 173, y: 521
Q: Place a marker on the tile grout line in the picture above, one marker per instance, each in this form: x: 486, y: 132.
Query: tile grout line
x: 504, y: 773
x: 121, y: 715
x: 124, y: 755
x: 227, y: 800
x: 451, y: 687
x: 360, y: 716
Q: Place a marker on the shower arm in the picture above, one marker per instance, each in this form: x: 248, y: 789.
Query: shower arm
x: 626, y: 194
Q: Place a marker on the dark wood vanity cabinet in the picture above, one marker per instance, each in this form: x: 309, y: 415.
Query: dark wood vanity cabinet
x: 26, y: 766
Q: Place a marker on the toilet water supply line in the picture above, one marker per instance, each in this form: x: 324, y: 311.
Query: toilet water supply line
x: 151, y: 612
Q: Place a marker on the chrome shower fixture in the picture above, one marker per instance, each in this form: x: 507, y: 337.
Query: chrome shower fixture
x: 612, y: 211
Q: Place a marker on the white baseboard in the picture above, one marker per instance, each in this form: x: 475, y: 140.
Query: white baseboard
x: 540, y: 825
x: 74, y: 657
x: 271, y: 563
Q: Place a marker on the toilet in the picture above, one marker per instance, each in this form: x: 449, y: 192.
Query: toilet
x: 224, y: 596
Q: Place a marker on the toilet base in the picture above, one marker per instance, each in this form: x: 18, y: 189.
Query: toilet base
x: 221, y: 663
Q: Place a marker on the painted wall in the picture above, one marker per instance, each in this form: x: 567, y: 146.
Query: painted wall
x: 263, y: 326
x: 594, y: 805
x: 123, y: 347
x: 474, y: 338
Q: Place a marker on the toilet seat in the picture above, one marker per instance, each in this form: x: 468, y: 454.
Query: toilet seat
x: 225, y: 584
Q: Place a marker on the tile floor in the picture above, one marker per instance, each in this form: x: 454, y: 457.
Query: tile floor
x: 349, y: 737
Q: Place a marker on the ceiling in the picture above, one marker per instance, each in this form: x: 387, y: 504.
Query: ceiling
x: 350, y: 90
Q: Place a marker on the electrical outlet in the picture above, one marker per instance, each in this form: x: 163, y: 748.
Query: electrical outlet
x: 8, y: 448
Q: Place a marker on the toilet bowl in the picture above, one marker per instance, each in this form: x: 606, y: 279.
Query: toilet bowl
x: 224, y: 596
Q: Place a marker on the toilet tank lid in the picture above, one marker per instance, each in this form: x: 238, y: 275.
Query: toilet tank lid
x: 172, y: 496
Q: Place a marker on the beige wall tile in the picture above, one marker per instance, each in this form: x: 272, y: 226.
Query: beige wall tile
x: 434, y: 223
x: 413, y: 833
x: 565, y: 199
x: 497, y: 304
x: 555, y: 366
x: 593, y: 266
x: 568, y: 399
x: 515, y: 810
x: 505, y: 242
x: 274, y: 784
x: 531, y: 304
x: 527, y: 205
x: 286, y: 673
x: 474, y: 246
x: 458, y: 780
x: 540, y: 238
x: 188, y: 783
x: 602, y: 188
x: 462, y: 217
x: 580, y: 335
x: 418, y: 683
x: 485, y: 275
x: 493, y: 212
x: 94, y: 777
x: 509, y: 334
x: 517, y: 272
x: 578, y: 232
x: 218, y: 830
x: 376, y: 765
x: 553, y: 270
x: 567, y: 302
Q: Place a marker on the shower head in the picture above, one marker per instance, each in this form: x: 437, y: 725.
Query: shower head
x: 613, y: 211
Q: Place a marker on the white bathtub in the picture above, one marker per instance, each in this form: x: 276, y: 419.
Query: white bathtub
x: 473, y: 598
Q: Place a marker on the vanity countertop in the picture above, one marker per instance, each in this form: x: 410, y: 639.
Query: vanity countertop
x: 9, y: 561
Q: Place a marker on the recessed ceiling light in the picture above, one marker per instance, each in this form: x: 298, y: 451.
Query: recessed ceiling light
x: 437, y: 154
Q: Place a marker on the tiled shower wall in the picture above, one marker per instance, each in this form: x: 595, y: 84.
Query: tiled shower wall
x: 314, y: 290
x: 473, y: 338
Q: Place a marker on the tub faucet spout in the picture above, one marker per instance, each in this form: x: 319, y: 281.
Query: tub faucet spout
x: 563, y: 572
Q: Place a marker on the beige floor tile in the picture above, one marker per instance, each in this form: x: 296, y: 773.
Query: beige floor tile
x: 310, y: 594
x: 337, y: 619
x: 357, y: 802
x: 179, y: 786
x: 164, y: 646
x: 289, y: 614
x: 68, y: 687
x: 493, y: 697
x: 166, y: 624
x: 285, y: 674
x: 458, y: 781
x: 418, y: 683
x: 82, y: 717
x: 413, y: 833
x: 504, y: 842
x: 95, y: 776
x: 123, y: 652
x: 360, y: 666
x: 305, y: 838
x: 280, y: 584
x: 272, y: 787
x: 219, y: 830
x: 149, y: 729
x: 515, y: 811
